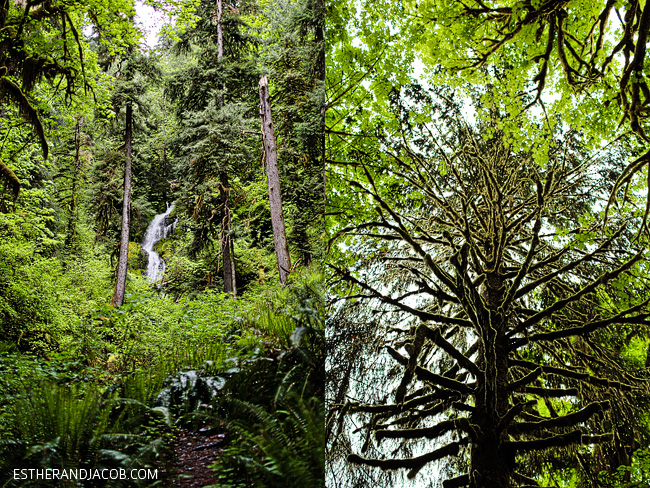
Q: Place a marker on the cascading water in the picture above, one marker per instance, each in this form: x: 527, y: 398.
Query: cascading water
x: 158, y: 229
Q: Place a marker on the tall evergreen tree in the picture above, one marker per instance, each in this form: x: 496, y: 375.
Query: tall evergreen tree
x: 215, y: 103
x: 499, y: 292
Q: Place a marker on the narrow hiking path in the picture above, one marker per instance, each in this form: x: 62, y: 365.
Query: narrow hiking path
x: 194, y: 453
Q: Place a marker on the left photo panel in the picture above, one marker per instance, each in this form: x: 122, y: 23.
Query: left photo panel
x: 161, y: 243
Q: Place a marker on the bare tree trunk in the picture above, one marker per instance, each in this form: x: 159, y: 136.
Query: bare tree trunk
x: 120, y: 283
x: 72, y: 221
x: 220, y: 40
x: 232, y: 263
x: 165, y: 173
x: 219, y: 30
x: 277, y: 219
x: 227, y: 248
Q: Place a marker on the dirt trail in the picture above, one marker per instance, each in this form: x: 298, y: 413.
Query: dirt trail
x: 195, y: 452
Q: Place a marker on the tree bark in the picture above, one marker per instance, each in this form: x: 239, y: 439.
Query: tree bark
x: 490, y: 464
x: 219, y: 30
x: 273, y: 177
x: 227, y: 247
x: 165, y: 174
x: 320, y: 67
x: 72, y: 221
x: 220, y: 41
x: 120, y: 282
x: 10, y: 181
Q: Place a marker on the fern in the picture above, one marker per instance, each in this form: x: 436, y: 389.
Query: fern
x: 66, y: 428
x: 282, y: 448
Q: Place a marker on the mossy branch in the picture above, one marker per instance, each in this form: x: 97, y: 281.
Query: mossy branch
x: 568, y: 420
x: 421, y: 314
x: 413, y: 464
x: 436, y: 337
x: 560, y: 304
x: 461, y: 424
x: 414, y: 354
x: 395, y: 408
x: 619, y: 318
x: 10, y: 90
x: 559, y: 440
x: 550, y: 392
x: 456, y: 482
x: 427, y: 376
x: 566, y: 373
x: 521, y: 382
x: 523, y: 291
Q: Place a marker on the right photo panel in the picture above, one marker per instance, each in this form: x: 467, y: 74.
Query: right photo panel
x: 488, y: 267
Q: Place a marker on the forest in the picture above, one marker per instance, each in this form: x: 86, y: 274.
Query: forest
x: 291, y: 243
x: 161, y: 243
x: 487, y: 257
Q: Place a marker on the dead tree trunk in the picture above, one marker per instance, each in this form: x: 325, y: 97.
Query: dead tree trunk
x: 120, y: 282
x: 277, y: 219
x: 219, y: 31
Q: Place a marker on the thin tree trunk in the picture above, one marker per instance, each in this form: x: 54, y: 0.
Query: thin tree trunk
x: 219, y: 30
x: 72, y: 222
x: 320, y: 40
x: 164, y: 170
x: 227, y: 248
x: 232, y: 263
x: 120, y: 283
x: 273, y: 177
x: 220, y: 40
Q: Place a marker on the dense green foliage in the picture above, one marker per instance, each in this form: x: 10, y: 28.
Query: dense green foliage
x: 82, y: 382
x: 103, y: 413
x: 420, y: 193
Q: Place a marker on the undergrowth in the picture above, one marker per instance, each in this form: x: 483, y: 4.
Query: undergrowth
x: 100, y: 401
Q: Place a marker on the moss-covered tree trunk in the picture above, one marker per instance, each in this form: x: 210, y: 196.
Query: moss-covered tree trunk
x: 489, y: 461
x: 227, y: 246
x: 10, y: 182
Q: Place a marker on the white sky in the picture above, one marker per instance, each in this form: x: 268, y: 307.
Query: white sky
x: 150, y: 21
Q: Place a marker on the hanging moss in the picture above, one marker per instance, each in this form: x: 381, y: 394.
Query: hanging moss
x: 11, y: 182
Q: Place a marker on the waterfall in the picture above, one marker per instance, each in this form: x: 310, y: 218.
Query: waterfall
x: 158, y: 229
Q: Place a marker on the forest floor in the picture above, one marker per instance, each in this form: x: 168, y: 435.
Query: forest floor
x: 194, y: 453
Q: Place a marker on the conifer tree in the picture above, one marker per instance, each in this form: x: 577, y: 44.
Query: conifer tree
x: 215, y: 102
